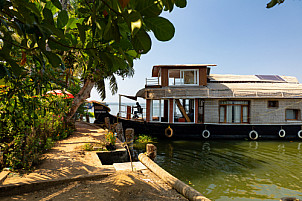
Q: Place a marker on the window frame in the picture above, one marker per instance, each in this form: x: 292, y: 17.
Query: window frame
x: 224, y: 106
x: 268, y: 104
x: 181, y: 77
x: 297, y: 114
x: 194, y: 111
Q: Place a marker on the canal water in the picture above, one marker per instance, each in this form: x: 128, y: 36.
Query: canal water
x: 235, y: 170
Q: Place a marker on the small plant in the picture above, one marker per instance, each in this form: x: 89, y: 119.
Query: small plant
x: 110, y: 140
x: 88, y: 147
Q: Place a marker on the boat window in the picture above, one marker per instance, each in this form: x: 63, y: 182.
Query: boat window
x: 234, y: 112
x: 183, y: 77
x: 273, y: 104
x: 292, y: 114
x: 157, y: 110
x: 184, y: 110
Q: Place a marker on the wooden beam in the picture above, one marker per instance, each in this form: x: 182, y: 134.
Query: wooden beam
x: 182, y: 110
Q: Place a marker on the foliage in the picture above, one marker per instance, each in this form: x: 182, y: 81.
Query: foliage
x: 30, y: 120
x: 110, y: 138
x: 145, y: 139
x: 101, y: 38
x: 272, y: 3
x: 91, y: 114
x: 45, y: 46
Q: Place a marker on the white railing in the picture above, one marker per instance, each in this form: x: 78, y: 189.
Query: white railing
x: 152, y: 81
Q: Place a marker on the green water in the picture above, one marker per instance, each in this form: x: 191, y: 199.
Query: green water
x: 236, y: 170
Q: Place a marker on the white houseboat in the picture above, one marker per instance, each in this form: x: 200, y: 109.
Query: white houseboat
x: 186, y: 101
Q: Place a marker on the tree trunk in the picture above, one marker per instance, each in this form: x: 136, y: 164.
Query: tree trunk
x: 80, y: 98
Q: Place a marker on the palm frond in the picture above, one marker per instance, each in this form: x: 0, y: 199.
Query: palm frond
x: 113, y: 85
x: 100, y: 87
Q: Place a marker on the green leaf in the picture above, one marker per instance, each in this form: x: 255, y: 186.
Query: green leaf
x: 149, y: 8
x: 72, y: 38
x: 1, y: 4
x: 53, y: 59
x: 3, y: 71
x: 33, y: 8
x: 105, y: 57
x: 134, y: 20
x: 60, y: 45
x: 162, y: 28
x: 62, y: 19
x: 54, y: 30
x: 181, y: 3
x: 141, y: 42
x: 72, y: 23
x: 82, y: 32
x: 132, y: 53
x: 169, y: 5
x: 57, y: 4
x: 272, y: 3
x: 48, y: 16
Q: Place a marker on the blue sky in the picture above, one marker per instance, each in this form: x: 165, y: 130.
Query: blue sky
x: 241, y: 37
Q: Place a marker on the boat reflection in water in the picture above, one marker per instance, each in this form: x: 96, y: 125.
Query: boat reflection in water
x: 236, y: 170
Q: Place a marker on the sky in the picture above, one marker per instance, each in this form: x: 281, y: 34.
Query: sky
x: 242, y: 37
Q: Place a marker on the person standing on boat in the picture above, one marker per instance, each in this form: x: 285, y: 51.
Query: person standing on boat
x: 139, y: 110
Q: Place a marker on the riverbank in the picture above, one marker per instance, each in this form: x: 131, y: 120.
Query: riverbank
x: 68, y: 172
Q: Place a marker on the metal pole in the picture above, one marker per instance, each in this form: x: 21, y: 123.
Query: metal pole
x: 119, y: 104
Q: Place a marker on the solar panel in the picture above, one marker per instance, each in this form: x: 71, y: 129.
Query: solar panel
x: 270, y: 77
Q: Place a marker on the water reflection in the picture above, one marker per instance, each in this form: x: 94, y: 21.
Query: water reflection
x: 236, y: 170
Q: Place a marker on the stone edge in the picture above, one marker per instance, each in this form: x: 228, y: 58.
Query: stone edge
x: 14, y: 189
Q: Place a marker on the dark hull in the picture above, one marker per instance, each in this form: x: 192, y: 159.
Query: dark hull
x: 217, y: 131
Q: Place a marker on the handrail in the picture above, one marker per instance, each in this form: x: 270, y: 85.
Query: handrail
x: 152, y: 81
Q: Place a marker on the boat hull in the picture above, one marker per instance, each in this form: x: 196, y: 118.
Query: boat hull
x: 216, y: 131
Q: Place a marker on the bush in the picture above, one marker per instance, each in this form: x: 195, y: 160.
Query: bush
x: 29, y: 123
x: 91, y: 114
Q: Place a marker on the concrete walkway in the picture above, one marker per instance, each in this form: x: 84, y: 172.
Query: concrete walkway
x: 65, y: 162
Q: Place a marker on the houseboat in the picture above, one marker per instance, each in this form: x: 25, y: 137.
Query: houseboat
x: 186, y: 101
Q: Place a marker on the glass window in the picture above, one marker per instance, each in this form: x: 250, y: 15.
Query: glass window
x: 189, y: 77
x: 155, y: 110
x: 183, y: 77
x: 292, y: 114
x: 184, y: 110
x: 233, y: 111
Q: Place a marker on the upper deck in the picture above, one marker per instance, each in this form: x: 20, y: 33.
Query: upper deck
x: 195, y: 80
x: 179, y: 75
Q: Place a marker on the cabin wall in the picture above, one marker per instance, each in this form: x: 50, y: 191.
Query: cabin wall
x: 261, y: 113
x: 211, y: 111
x: 203, y: 76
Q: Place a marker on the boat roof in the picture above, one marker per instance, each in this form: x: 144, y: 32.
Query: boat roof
x: 223, y: 78
x: 155, y: 69
x: 95, y: 102
x: 232, y: 86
